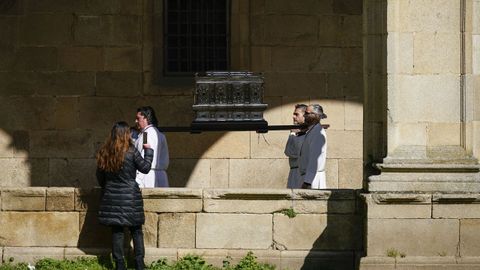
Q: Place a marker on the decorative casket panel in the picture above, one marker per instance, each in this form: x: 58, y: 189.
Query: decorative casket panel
x: 229, y: 97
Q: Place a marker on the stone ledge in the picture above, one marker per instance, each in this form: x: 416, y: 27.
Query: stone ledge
x: 24, y: 199
x: 324, y: 207
x: 257, y: 206
x: 173, y: 205
x: 400, y: 198
x: 32, y: 254
x: 424, y: 183
x: 404, y: 165
x: 248, y: 194
x: 165, y: 200
x: 469, y: 260
x: 456, y: 198
x: 154, y: 254
x: 212, y: 256
x: 332, y: 194
x: 264, y: 256
x: 72, y: 253
x: 172, y: 193
x: 398, y: 206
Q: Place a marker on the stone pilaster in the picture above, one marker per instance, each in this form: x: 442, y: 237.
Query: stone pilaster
x: 420, y: 70
x: 420, y: 132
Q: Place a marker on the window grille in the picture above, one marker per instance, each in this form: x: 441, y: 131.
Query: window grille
x: 196, y: 36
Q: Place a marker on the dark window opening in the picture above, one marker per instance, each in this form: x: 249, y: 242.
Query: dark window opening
x: 196, y: 36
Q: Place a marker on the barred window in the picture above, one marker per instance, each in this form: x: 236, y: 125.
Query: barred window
x: 196, y: 36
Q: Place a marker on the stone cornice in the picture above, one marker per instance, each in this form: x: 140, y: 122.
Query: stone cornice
x: 456, y: 198
x: 428, y: 167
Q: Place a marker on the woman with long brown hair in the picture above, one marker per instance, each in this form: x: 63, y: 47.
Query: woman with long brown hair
x: 122, y: 204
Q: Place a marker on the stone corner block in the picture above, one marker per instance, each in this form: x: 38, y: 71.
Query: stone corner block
x: 230, y: 231
x: 40, y: 229
x: 317, y: 232
x: 172, y: 200
x: 176, y: 230
x: 470, y: 238
x: 431, y: 236
x: 23, y: 199
x: 87, y: 199
x: 60, y: 199
x: 150, y: 229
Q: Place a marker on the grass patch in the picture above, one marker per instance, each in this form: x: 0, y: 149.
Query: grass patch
x: 189, y: 262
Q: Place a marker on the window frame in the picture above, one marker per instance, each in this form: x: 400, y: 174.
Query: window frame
x: 189, y: 74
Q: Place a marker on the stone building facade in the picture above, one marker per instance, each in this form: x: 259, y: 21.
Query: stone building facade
x: 68, y: 71
x: 399, y: 80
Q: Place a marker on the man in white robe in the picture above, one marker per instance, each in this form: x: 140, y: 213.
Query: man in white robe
x: 147, y: 124
x: 292, y: 148
x: 313, y: 153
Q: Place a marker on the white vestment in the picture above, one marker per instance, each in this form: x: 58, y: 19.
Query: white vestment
x: 313, y: 156
x: 157, y: 177
x: 292, y: 151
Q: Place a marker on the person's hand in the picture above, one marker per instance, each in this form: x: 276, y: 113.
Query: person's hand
x: 146, y: 146
x: 306, y: 185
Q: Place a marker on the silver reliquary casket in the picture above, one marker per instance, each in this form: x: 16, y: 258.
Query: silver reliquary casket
x: 230, y: 100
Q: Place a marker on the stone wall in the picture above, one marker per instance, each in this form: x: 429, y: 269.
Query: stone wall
x: 422, y: 231
x: 69, y: 69
x: 40, y: 222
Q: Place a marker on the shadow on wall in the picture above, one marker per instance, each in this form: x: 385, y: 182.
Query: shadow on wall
x: 340, y: 245
x: 43, y: 144
x: 37, y: 148
x: 62, y: 88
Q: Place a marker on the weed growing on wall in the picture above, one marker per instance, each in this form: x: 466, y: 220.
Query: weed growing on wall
x: 290, y: 212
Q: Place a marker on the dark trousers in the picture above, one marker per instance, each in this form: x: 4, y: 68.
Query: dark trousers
x: 118, y: 250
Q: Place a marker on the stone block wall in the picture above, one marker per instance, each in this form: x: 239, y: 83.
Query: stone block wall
x: 422, y: 231
x: 61, y: 223
x: 69, y: 70
x: 473, y: 79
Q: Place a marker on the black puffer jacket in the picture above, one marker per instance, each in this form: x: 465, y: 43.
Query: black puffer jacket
x: 122, y: 202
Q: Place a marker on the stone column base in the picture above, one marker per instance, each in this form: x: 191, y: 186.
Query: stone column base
x: 425, y: 177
